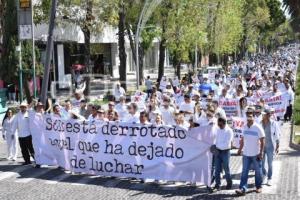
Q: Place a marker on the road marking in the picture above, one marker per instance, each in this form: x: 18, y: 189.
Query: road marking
x: 33, y: 176
x: 57, y: 179
x: 112, y: 183
x: 13, y: 173
x: 275, y: 179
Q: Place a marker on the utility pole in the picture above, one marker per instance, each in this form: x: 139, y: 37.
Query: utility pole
x: 48, y: 53
x: 33, y: 51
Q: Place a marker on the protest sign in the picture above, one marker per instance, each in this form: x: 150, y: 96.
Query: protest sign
x: 125, y: 150
x: 237, y: 127
x: 278, y: 103
x: 230, y: 106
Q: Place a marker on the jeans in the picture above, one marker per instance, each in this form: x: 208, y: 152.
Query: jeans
x: 222, y: 159
x: 270, y: 155
x: 257, y: 164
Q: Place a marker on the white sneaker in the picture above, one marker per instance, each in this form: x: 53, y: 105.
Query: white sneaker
x: 269, y: 182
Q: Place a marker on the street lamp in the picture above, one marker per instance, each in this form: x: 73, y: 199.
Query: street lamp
x: 147, y: 10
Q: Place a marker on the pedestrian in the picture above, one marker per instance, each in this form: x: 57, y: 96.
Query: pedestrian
x: 272, y: 132
x: 148, y: 84
x: 21, y: 124
x: 224, y: 138
x: 252, y: 143
x: 9, y: 135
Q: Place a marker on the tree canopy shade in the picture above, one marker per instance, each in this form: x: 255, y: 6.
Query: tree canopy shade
x: 216, y: 27
x: 293, y: 7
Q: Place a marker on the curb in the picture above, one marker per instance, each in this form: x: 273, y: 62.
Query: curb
x: 293, y: 145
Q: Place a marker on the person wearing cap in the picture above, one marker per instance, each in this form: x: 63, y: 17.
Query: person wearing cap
x: 272, y: 132
x: 252, y: 144
x: 224, y: 138
x: 21, y: 124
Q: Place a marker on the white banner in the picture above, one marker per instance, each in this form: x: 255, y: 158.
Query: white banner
x: 230, y: 106
x: 125, y: 150
x: 279, y: 103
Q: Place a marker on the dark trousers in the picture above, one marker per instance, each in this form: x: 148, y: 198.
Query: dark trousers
x: 26, y: 148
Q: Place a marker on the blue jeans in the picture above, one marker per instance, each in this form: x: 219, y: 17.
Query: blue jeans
x: 222, y: 160
x: 257, y: 164
x: 270, y: 155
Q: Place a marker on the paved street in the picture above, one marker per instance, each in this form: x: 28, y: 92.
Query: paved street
x: 25, y: 182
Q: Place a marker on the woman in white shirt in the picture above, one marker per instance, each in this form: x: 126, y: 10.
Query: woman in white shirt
x: 9, y: 135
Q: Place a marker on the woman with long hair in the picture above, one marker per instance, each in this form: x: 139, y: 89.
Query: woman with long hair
x: 9, y: 135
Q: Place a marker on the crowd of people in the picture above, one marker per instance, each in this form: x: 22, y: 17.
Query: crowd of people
x: 191, y: 102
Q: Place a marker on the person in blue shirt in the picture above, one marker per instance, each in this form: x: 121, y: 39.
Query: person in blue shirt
x: 205, y: 87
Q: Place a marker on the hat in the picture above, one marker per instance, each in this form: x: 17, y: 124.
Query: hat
x: 23, y: 104
x: 250, y: 109
x: 222, y: 117
x: 100, y: 111
x: 266, y: 111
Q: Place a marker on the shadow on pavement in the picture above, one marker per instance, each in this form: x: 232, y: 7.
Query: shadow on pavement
x: 164, y: 190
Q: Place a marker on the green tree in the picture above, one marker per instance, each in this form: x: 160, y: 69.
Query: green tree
x: 293, y: 7
x: 9, y: 59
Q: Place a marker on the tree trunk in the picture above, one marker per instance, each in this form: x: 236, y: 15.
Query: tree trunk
x: 176, y: 63
x: 122, y: 50
x: 141, y: 65
x: 162, y: 56
x: 87, y: 50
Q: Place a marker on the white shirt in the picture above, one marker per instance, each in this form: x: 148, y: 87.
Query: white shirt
x: 187, y: 107
x: 119, y: 92
x: 133, y: 118
x: 167, y: 115
x: 8, y: 127
x: 251, y: 139
x: 122, y: 111
x: 224, y: 138
x: 21, y: 123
